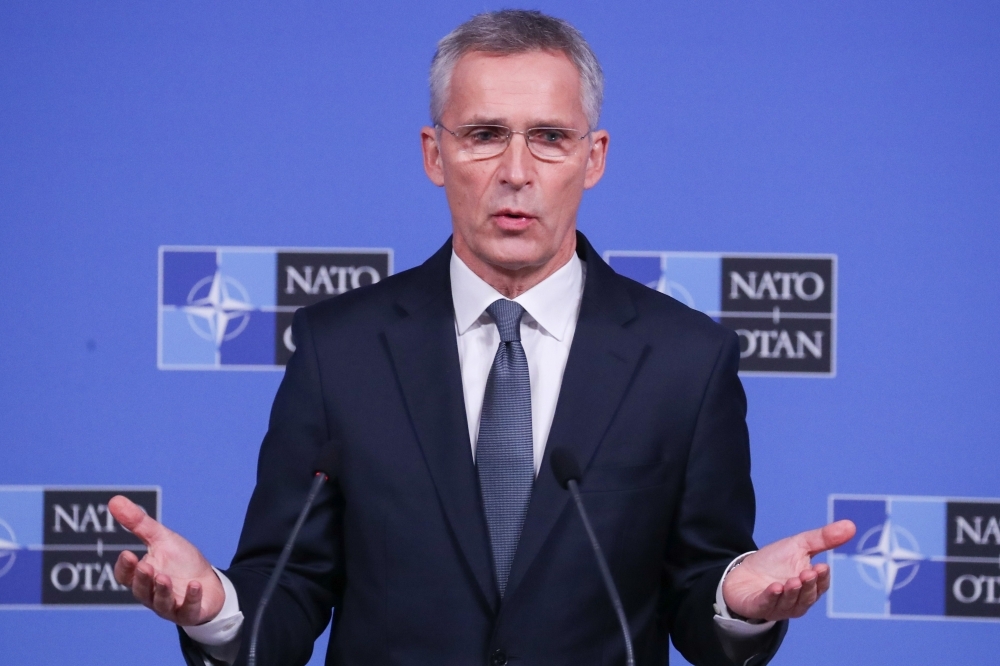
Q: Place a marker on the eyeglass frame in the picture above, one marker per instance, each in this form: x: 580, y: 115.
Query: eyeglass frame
x: 510, y: 137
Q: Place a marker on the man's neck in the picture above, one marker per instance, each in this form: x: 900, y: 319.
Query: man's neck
x: 513, y: 282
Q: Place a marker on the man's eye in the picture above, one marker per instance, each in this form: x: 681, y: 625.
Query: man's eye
x: 485, y: 135
x: 550, y: 135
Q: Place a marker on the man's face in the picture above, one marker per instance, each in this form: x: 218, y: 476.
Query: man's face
x: 514, y: 211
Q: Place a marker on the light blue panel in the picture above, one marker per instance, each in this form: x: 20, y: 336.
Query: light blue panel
x: 852, y: 594
x: 181, y: 345
x: 23, y: 510
x: 694, y: 281
x: 256, y: 271
x: 926, y: 521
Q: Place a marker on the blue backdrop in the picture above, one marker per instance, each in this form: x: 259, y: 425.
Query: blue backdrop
x: 868, y: 130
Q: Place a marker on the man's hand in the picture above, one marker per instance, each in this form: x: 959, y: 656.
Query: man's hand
x: 779, y: 582
x: 173, y: 578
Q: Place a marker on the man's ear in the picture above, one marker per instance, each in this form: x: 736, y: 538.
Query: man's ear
x: 596, y: 158
x: 432, y: 155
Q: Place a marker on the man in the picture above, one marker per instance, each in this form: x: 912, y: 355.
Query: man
x: 446, y: 539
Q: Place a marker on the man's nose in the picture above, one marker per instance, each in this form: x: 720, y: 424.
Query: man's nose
x: 517, y: 163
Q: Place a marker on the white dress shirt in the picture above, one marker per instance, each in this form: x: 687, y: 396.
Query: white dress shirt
x: 552, y: 308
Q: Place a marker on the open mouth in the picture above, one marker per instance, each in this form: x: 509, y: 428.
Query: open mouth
x: 513, y: 215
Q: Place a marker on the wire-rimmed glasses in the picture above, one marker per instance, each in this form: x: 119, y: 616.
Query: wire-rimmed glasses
x: 482, y: 142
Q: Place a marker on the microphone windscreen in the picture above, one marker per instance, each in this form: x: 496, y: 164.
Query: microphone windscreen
x: 328, y: 460
x: 565, y: 467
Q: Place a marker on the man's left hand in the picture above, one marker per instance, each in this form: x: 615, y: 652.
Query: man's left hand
x: 779, y: 581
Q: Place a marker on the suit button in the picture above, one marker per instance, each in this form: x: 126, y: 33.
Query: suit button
x: 498, y: 658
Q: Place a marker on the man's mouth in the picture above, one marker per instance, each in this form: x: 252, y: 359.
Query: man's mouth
x: 512, y: 218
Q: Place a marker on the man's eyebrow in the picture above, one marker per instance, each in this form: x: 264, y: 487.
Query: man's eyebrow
x: 482, y: 120
x: 551, y: 123
x: 502, y: 122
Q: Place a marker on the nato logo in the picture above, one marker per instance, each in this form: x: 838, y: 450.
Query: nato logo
x: 231, y: 308
x: 58, y: 546
x: 782, y: 306
x: 916, y: 558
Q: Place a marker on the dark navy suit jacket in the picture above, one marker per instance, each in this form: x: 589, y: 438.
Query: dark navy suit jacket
x: 650, y: 405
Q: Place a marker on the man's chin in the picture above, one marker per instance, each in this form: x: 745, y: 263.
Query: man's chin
x: 515, y: 254
x: 511, y: 252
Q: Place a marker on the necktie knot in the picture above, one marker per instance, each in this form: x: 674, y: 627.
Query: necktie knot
x: 507, y: 315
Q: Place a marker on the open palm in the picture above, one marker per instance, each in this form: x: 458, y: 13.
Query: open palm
x: 173, y: 578
x: 779, y: 581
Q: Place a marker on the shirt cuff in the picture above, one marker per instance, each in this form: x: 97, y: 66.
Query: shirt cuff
x: 220, y: 636
x: 736, y: 627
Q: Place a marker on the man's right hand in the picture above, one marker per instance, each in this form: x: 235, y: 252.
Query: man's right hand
x: 173, y: 578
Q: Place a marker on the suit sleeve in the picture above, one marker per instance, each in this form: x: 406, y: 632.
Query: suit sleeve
x: 714, y: 522
x: 310, y: 586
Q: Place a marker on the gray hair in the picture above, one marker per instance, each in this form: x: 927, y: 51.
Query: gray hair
x: 512, y: 31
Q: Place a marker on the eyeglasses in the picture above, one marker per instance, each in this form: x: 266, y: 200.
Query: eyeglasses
x: 482, y: 142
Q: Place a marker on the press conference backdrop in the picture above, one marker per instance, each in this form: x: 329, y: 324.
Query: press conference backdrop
x: 823, y: 178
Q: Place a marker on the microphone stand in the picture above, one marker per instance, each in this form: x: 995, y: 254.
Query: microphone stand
x: 327, y: 465
x: 567, y: 472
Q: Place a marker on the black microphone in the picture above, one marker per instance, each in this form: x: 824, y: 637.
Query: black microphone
x: 325, y: 466
x: 568, y: 474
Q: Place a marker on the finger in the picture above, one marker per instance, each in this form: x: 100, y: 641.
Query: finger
x: 163, y: 596
x: 189, y: 611
x: 828, y: 536
x: 768, y: 600
x: 134, y: 519
x: 125, y: 567
x: 823, y: 578
x: 809, y: 592
x: 142, y: 584
x: 789, y: 598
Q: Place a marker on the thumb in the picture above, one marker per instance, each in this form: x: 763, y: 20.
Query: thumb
x: 135, y: 520
x: 828, y: 536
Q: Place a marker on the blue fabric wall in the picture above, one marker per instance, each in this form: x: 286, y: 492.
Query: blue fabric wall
x: 864, y: 129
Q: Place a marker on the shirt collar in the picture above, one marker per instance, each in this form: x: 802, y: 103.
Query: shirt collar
x: 553, y: 302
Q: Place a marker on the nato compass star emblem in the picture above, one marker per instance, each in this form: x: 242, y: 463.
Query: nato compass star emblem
x: 916, y: 557
x: 8, y: 547
x: 231, y: 308
x: 211, y: 314
x: 888, y: 557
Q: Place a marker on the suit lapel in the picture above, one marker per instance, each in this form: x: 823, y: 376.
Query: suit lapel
x: 425, y: 356
x: 601, y: 364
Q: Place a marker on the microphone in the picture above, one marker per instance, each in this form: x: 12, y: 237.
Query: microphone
x: 325, y: 466
x: 567, y: 472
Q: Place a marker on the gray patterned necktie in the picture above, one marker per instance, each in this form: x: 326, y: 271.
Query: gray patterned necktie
x: 504, y: 452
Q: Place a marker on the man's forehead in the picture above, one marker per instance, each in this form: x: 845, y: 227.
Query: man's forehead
x: 541, y: 87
